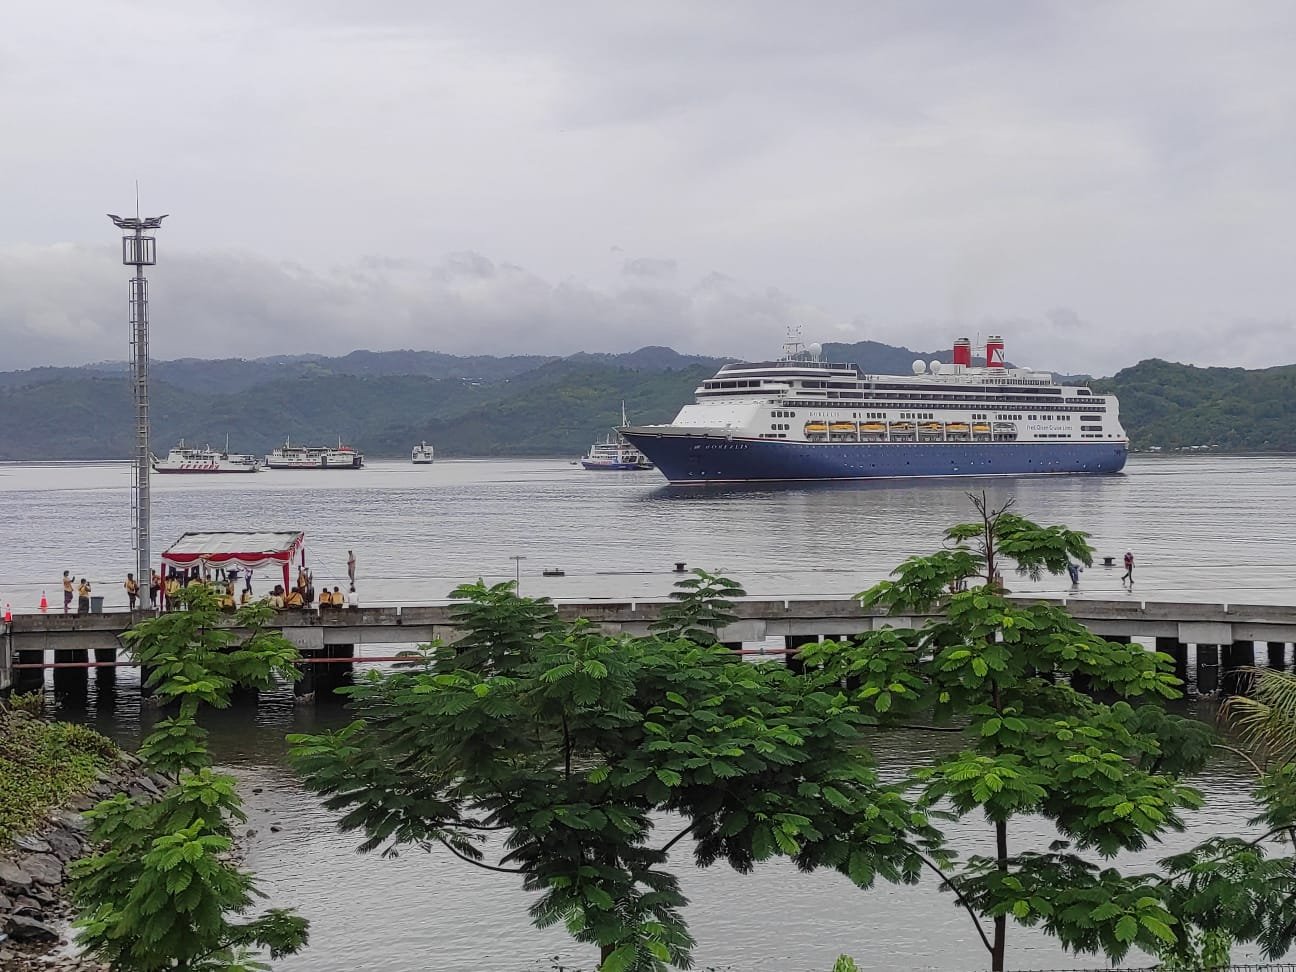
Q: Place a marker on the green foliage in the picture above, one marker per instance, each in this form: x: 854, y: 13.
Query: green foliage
x: 159, y: 894
x: 504, y: 406
x: 701, y: 607
x: 162, y: 893
x: 31, y: 703
x: 1106, y: 774
x: 1230, y: 889
x: 1265, y: 717
x: 845, y: 963
x: 1176, y: 406
x: 554, y: 750
x: 41, y: 765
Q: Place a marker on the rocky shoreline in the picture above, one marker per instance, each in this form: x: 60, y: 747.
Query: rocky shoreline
x: 35, y: 917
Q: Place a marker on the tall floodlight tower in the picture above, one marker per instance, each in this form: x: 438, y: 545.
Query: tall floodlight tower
x: 140, y: 251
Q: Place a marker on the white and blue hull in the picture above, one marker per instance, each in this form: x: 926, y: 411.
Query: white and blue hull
x: 685, y: 458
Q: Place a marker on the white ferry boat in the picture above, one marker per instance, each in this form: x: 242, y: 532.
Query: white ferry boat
x: 799, y: 418
x: 422, y: 454
x: 615, y: 454
x: 289, y: 456
x: 205, y: 460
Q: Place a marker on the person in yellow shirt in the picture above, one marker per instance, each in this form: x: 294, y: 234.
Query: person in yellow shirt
x: 172, y: 588
x: 227, y: 599
x: 83, y: 597
x: 67, y: 591
x: 245, y: 597
x: 294, y: 599
x: 326, y: 598
x: 132, y: 590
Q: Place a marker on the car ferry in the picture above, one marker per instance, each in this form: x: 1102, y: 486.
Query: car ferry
x: 800, y: 418
x: 289, y: 456
x: 205, y: 460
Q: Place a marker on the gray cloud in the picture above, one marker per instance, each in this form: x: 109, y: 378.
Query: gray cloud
x: 899, y: 171
x: 649, y: 267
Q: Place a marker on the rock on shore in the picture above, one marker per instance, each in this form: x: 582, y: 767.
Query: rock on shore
x: 34, y: 915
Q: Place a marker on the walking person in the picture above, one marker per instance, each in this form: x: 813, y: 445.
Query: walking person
x: 132, y: 591
x: 83, y: 597
x: 1128, y: 576
x: 351, y: 562
x: 155, y: 585
x: 1073, y: 569
x: 67, y: 591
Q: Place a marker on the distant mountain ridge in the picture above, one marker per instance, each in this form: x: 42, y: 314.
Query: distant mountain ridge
x: 385, y: 401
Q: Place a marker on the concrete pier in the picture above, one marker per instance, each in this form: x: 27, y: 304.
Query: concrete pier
x: 1174, y: 626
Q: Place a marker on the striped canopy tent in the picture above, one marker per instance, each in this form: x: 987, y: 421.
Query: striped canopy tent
x: 246, y: 550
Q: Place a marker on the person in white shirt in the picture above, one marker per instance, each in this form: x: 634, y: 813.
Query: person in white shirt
x: 353, y: 600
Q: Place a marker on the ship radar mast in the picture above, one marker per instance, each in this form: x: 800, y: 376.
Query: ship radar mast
x: 795, y: 350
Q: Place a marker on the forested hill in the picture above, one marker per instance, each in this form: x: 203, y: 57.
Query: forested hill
x: 1175, y: 406
x: 385, y: 402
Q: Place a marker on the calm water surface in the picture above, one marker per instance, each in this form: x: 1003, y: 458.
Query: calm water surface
x: 1202, y: 528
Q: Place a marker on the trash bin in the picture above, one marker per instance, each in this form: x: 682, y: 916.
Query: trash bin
x: 96, y: 605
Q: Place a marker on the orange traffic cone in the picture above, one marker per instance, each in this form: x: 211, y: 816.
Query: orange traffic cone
x: 8, y: 615
x: 44, y: 604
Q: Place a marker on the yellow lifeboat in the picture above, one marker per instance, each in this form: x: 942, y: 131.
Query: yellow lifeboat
x: 816, y: 428
x: 932, y: 428
x: 981, y: 428
x: 958, y: 428
x: 848, y: 427
x: 875, y: 427
x: 902, y: 427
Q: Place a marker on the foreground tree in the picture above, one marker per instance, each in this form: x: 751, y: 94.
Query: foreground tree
x: 1235, y: 888
x: 1107, y: 774
x: 162, y: 893
x: 559, y: 751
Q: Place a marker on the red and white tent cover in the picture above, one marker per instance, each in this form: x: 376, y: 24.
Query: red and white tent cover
x: 249, y: 550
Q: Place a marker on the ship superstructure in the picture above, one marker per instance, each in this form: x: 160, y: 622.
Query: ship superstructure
x: 802, y: 418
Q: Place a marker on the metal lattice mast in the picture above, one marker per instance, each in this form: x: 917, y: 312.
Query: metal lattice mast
x: 140, y: 251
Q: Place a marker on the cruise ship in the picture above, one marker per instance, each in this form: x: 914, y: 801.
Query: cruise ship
x: 800, y: 418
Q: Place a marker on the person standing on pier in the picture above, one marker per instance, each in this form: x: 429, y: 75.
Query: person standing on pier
x: 351, y: 562
x: 67, y: 590
x: 83, y: 597
x: 1073, y: 569
x: 132, y: 591
x: 1128, y: 576
x: 155, y: 585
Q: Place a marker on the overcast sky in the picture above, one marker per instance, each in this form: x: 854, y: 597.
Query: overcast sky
x: 1099, y: 182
